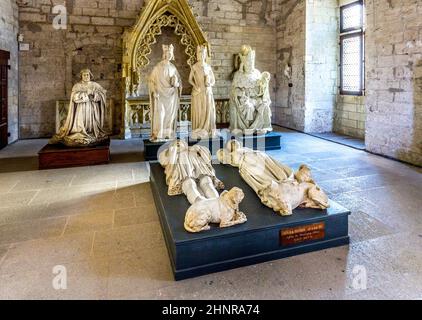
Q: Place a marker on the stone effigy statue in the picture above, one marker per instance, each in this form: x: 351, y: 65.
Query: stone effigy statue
x: 203, y: 106
x: 250, y: 100
x: 277, y: 185
x: 189, y: 171
x: 84, y: 125
x: 165, y: 88
x: 223, y: 210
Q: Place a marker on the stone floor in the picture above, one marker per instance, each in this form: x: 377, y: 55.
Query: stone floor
x: 100, y: 223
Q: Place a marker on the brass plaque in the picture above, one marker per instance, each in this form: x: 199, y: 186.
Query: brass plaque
x: 295, y: 235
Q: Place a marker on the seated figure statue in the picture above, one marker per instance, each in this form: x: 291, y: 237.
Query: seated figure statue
x: 189, y: 171
x: 277, y: 185
x: 84, y: 125
x: 250, y: 100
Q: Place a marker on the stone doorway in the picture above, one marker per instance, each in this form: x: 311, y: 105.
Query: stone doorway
x: 4, y: 66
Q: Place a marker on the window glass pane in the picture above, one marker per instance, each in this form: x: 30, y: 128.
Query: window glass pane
x: 352, y: 17
x: 352, y: 59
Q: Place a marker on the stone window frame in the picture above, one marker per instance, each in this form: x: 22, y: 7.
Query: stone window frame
x: 351, y: 33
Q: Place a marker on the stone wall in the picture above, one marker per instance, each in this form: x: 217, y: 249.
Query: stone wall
x: 350, y: 116
x: 321, y: 65
x: 8, y: 42
x: 231, y: 23
x: 93, y: 39
x: 394, y: 79
x: 307, y: 36
x: 290, y: 95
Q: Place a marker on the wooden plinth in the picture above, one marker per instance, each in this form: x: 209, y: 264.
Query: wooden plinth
x: 59, y: 156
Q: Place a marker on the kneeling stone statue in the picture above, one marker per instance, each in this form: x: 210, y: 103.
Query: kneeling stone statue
x: 189, y: 171
x: 84, y: 124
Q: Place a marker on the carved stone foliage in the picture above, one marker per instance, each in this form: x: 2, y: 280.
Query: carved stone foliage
x: 138, y: 42
x: 144, y: 48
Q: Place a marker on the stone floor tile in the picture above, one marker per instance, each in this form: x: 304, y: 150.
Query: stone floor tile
x: 24, y: 213
x: 365, y: 227
x: 3, y: 251
x: 96, y: 221
x: 30, y: 230
x: 131, y: 276
x: 35, y: 254
x: 13, y: 199
x: 333, y: 187
x: 128, y: 239
x: 37, y: 181
x: 139, y: 215
x: 84, y: 280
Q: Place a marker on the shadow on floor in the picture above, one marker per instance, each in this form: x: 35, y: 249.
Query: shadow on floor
x: 18, y: 164
x: 127, y: 157
x: 342, y: 139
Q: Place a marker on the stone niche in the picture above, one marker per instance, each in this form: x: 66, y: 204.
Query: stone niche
x: 180, y: 60
x: 161, y: 22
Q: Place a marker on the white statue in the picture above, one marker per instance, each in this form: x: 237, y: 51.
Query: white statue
x: 84, y: 125
x: 203, y: 106
x: 165, y: 88
x: 223, y: 210
x: 189, y: 171
x: 250, y: 100
x: 276, y: 185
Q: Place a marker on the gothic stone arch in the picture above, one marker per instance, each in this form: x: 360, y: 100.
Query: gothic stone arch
x: 138, y: 41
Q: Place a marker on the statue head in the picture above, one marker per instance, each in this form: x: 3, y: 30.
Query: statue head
x: 168, y: 52
x: 265, y: 77
x: 202, y: 53
x: 179, y: 145
x: 250, y: 61
x: 233, y: 145
x: 275, y: 199
x: 247, y: 56
x: 86, y: 75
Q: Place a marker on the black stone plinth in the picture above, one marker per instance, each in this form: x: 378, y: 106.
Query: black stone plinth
x: 151, y: 149
x: 267, y: 142
x: 213, y: 144
x: 257, y: 240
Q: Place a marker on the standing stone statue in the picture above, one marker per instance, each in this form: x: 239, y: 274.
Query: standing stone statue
x: 250, y: 100
x: 277, y: 185
x: 165, y: 87
x: 203, y: 105
x: 84, y: 125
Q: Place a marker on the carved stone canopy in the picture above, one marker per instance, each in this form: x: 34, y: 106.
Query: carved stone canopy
x: 158, y: 14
